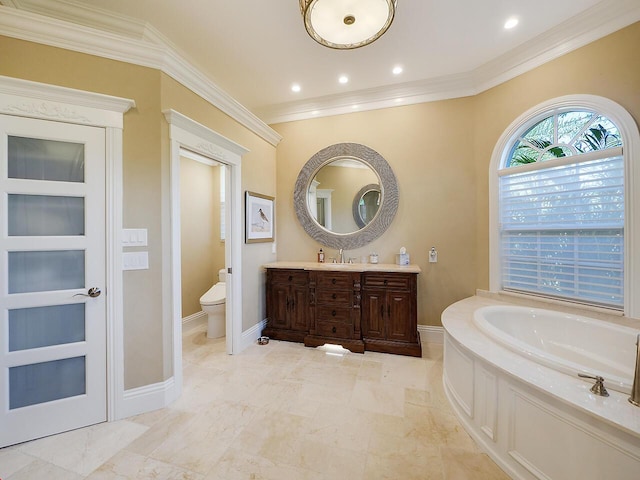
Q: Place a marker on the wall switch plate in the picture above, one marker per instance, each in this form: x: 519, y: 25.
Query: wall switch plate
x: 433, y: 255
x: 134, y: 237
x: 135, y: 261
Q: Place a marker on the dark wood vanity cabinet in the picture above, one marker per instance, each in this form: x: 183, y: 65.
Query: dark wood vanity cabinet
x: 389, y: 313
x: 287, y: 304
x: 335, y: 310
x: 359, y: 310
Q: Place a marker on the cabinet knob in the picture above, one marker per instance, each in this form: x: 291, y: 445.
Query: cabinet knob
x: 333, y: 280
x: 386, y: 281
x: 334, y: 296
x: 333, y: 330
x: 333, y: 313
x: 291, y: 278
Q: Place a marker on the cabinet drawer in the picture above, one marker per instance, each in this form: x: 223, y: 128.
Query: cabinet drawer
x: 398, y: 281
x: 333, y: 313
x: 336, y: 280
x: 291, y: 277
x: 334, y: 297
x: 334, y: 329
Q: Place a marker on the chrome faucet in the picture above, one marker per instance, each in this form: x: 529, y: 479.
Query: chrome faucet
x: 341, y: 253
x: 635, y: 389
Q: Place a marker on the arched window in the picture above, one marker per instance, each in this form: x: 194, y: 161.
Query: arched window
x: 562, y: 176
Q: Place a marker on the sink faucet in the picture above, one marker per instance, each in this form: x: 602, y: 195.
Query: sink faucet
x: 341, y: 253
x: 635, y: 390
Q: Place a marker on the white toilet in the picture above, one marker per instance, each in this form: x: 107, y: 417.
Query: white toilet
x: 213, y: 304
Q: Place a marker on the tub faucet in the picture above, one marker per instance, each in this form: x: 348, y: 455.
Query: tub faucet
x: 341, y: 253
x: 635, y: 389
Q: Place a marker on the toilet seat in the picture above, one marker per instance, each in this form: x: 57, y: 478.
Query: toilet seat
x: 216, y: 295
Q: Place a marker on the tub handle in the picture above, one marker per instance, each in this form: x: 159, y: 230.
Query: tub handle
x: 598, y: 387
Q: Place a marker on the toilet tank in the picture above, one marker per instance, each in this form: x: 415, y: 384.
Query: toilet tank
x: 222, y: 274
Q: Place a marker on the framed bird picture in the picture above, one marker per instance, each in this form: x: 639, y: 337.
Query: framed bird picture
x: 259, y: 218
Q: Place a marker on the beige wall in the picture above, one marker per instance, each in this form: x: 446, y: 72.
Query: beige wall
x: 147, y: 321
x: 202, y: 249
x: 440, y: 153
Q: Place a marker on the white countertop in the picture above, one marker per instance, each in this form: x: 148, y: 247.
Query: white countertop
x: 346, y: 267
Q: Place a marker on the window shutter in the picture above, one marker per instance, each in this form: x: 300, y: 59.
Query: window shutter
x: 562, y: 230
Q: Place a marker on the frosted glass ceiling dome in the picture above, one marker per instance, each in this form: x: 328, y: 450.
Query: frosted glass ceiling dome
x: 347, y: 24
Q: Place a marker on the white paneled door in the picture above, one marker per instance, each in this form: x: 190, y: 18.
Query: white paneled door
x: 52, y: 277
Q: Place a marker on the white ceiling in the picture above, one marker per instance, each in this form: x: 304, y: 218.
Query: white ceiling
x: 256, y: 49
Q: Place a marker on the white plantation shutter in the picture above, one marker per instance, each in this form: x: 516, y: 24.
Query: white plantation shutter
x: 562, y: 228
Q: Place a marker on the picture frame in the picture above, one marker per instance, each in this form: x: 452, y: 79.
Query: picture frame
x: 259, y: 218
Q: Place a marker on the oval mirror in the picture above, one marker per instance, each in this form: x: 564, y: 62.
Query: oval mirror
x: 326, y: 190
x: 366, y: 204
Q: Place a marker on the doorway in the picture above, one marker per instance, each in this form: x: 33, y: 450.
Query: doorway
x: 187, y: 135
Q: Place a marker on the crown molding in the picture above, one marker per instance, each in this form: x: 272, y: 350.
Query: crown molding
x: 602, y: 19
x: 149, y: 50
x: 71, y: 25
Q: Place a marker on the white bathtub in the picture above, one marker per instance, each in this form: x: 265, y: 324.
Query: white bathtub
x: 510, y: 375
x: 564, y: 342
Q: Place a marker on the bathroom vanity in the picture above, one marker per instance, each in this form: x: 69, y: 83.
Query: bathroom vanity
x: 359, y: 306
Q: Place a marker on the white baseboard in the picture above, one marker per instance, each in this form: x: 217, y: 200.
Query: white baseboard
x: 250, y: 336
x: 195, y: 320
x: 148, y: 398
x: 430, y: 334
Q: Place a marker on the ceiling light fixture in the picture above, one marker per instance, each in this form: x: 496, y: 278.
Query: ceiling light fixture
x: 295, y: 88
x: 397, y: 70
x: 510, y: 23
x: 346, y: 25
x: 343, y: 79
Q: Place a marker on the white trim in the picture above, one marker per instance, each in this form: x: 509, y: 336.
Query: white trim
x: 250, y: 336
x: 96, y: 31
x: 185, y: 133
x: 430, y: 334
x: 631, y: 149
x: 30, y: 99
x: 147, y: 398
x: 193, y: 320
x: 98, y: 41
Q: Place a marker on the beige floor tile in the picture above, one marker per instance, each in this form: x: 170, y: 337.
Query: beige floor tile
x: 279, y: 411
x: 425, y: 465
x: 239, y: 465
x: 83, y: 450
x: 13, y: 460
x: 41, y: 470
x: 464, y: 465
x: 378, y: 398
x: 130, y: 466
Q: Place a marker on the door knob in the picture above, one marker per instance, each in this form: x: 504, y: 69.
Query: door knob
x: 93, y: 292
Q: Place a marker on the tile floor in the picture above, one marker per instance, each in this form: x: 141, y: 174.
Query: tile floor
x: 275, y: 412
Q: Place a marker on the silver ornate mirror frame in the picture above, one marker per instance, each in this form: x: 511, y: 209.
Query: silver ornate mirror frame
x: 388, y: 189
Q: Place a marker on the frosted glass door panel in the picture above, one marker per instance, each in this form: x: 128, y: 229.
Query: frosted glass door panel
x: 41, y: 215
x: 46, y: 271
x: 44, y: 326
x: 37, y: 159
x: 46, y: 381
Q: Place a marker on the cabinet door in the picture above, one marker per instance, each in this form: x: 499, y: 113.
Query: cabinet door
x: 399, y: 324
x: 373, y: 314
x: 279, y: 306
x: 298, y: 308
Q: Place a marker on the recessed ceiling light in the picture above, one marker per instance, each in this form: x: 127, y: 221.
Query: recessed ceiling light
x: 397, y: 70
x: 343, y: 79
x: 315, y: 112
x: 510, y: 23
x: 295, y: 88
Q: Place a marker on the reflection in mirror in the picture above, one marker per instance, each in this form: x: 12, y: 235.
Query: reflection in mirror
x: 332, y: 190
x: 366, y: 204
